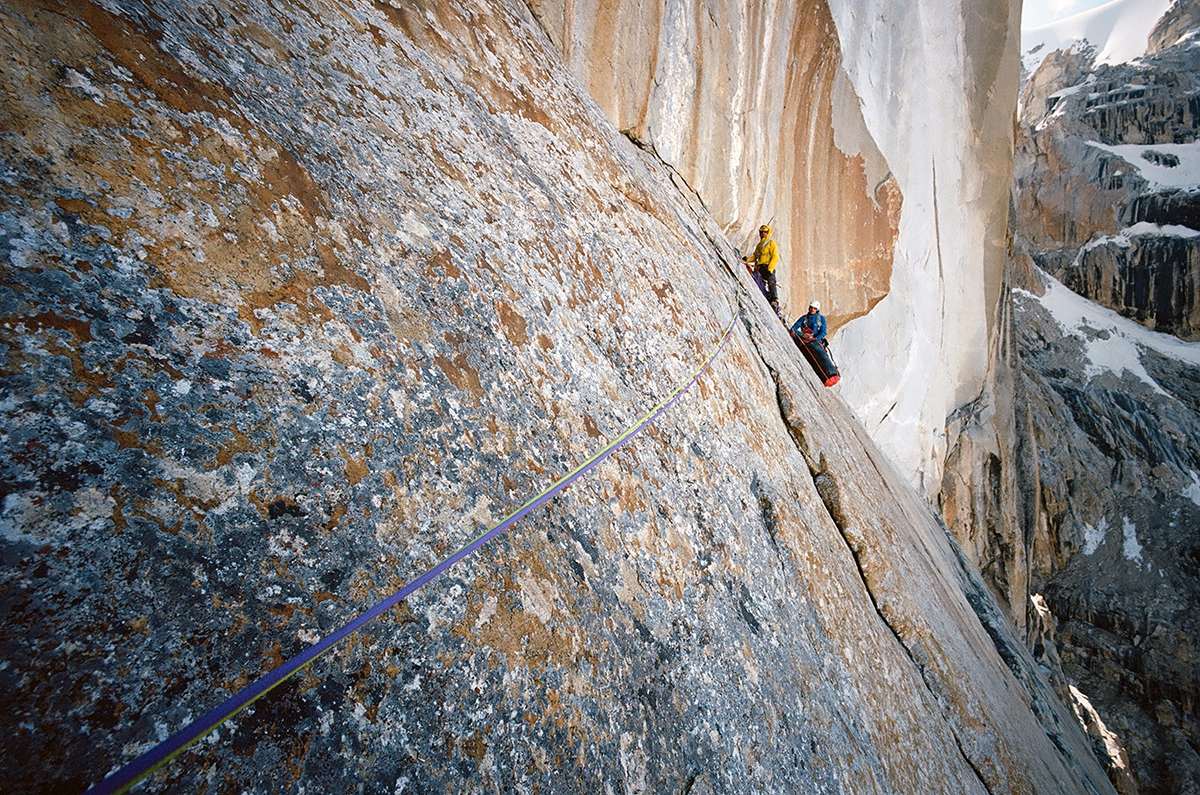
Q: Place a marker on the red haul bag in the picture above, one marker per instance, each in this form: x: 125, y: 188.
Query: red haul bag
x: 818, y: 356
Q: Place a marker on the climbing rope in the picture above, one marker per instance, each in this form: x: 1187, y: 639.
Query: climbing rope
x: 133, y: 772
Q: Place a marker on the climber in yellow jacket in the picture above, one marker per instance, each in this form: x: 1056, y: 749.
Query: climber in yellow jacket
x: 765, y: 258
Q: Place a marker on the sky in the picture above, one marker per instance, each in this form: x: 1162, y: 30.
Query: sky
x: 1036, y: 13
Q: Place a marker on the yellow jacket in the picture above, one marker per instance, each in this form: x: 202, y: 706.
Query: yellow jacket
x: 766, y: 253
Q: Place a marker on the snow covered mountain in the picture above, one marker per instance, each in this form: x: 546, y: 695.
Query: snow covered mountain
x: 1108, y: 179
x: 1107, y: 200
x: 1119, y: 32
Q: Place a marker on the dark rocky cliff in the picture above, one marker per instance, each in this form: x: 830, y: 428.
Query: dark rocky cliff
x: 1104, y: 467
x: 1112, y: 503
x: 295, y: 301
x: 1150, y: 278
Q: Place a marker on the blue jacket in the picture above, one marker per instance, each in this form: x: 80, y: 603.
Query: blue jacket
x: 815, y: 322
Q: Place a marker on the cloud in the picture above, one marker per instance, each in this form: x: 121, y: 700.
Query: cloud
x: 1061, y: 8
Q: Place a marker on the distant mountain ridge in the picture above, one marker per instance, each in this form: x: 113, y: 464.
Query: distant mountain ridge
x: 1118, y: 31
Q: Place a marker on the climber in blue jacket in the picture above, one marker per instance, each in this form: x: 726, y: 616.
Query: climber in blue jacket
x: 811, y: 327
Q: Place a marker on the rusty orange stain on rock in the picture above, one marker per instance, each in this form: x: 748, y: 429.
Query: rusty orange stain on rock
x: 514, y: 324
x: 151, y: 402
x: 283, y: 610
x: 461, y: 374
x: 441, y: 258
x: 627, y: 492
x: 590, y: 425
x: 240, y: 443
x: 475, y: 747
x: 206, y: 265
x: 335, y: 518
x: 356, y: 468
x: 129, y: 440
x: 148, y: 62
x: 80, y: 329
x: 273, y: 654
x: 76, y: 206
x: 343, y: 356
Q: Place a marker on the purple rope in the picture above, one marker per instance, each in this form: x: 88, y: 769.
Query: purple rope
x: 133, y: 772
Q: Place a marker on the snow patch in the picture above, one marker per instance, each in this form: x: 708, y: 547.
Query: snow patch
x: 1147, y: 229
x: 1093, y: 537
x: 1153, y: 163
x: 1112, y: 343
x: 1061, y: 107
x: 1190, y: 36
x: 1124, y: 238
x: 1075, y: 89
x: 1130, y: 545
x: 1192, y: 492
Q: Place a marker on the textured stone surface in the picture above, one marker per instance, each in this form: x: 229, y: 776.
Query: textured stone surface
x: 1072, y: 481
x: 297, y: 300
x: 1112, y: 544
x: 1077, y: 201
x: 1176, y: 27
x: 979, y: 499
x: 1150, y: 278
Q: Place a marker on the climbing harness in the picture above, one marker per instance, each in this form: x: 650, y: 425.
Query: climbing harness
x: 133, y: 772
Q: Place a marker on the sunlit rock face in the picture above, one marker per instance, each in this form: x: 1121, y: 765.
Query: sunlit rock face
x: 1112, y: 504
x: 1177, y: 26
x: 751, y: 105
x: 296, y: 300
x: 937, y: 87
x: 876, y: 136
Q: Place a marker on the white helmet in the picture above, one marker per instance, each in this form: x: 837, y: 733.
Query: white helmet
x: 815, y: 305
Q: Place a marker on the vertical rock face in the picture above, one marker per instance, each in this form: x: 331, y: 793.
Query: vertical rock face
x: 1177, y: 26
x: 296, y: 299
x: 1111, y: 536
x: 1105, y: 464
x: 751, y: 105
x: 1148, y: 277
x: 979, y: 498
x: 876, y: 136
x: 1107, y: 189
x: 945, y: 128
